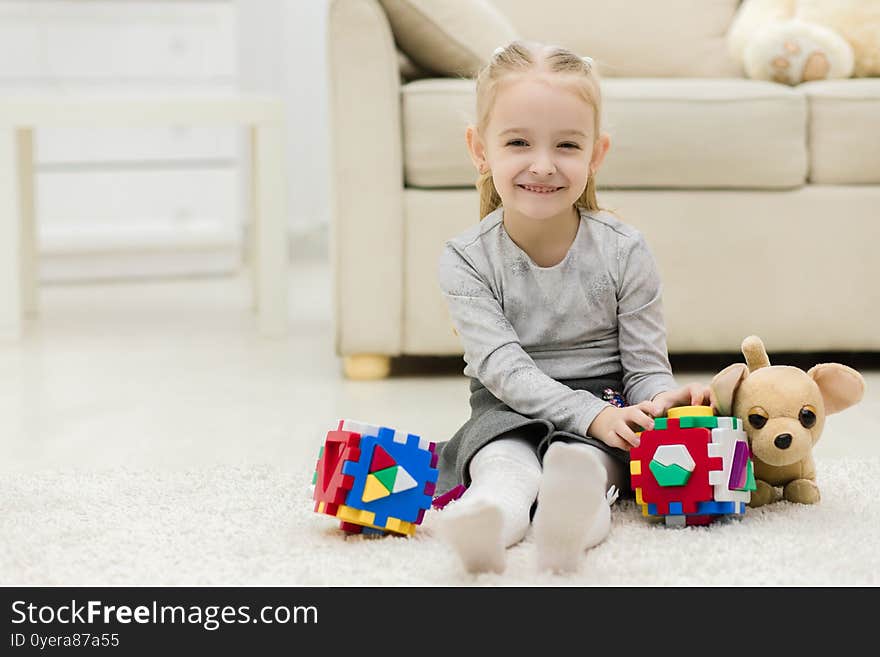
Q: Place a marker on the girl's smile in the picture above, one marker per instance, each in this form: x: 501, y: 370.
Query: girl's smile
x: 542, y: 190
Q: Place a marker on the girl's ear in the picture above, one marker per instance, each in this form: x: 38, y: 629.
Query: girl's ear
x: 600, y: 149
x: 476, y: 148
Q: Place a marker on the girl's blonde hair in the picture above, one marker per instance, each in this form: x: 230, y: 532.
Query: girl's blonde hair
x: 520, y: 57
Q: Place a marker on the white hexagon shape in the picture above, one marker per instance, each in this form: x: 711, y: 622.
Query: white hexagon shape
x: 675, y: 455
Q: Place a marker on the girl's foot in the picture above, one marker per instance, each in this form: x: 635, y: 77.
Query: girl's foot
x: 473, y: 529
x: 572, y: 512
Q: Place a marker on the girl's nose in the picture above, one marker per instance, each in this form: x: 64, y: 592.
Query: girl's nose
x: 542, y: 166
x: 542, y: 169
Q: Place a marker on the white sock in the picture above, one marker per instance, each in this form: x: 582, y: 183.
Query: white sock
x: 493, y: 513
x: 473, y: 529
x: 573, y: 513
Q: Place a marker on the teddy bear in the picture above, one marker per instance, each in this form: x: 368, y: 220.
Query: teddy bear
x: 783, y: 412
x: 794, y: 41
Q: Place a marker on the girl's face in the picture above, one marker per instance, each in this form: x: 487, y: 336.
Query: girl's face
x: 539, y: 145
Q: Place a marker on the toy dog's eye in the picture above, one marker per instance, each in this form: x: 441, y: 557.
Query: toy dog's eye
x: 757, y: 417
x: 807, y: 416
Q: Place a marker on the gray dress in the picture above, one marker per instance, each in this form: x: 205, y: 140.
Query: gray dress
x: 491, y: 418
x: 541, y: 343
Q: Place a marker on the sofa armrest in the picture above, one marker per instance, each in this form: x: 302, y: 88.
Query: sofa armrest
x: 366, y: 233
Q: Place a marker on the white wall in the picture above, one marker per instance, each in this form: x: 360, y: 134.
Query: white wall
x: 282, y: 51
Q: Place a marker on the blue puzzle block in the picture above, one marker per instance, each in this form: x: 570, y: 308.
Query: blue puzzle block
x: 405, y: 505
x: 675, y: 509
x: 716, y: 508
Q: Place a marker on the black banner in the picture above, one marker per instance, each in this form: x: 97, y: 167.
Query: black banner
x: 149, y: 620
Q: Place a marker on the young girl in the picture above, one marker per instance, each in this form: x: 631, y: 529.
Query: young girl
x: 555, y: 301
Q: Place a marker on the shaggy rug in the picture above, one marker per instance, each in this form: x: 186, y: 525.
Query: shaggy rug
x: 255, y: 526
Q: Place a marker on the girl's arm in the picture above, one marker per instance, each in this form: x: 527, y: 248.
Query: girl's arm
x: 641, y: 327
x: 494, y: 355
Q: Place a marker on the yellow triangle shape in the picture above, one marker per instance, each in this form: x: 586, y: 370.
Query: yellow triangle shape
x: 373, y: 489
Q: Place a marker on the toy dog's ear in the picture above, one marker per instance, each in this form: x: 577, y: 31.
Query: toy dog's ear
x: 841, y: 386
x: 724, y: 387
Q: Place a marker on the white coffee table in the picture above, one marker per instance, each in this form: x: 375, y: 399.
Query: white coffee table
x: 19, y: 117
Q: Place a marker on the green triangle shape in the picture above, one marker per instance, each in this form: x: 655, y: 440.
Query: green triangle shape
x: 387, y: 477
x: 750, y: 478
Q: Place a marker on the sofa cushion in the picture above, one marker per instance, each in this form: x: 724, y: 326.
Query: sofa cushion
x: 687, y: 132
x: 454, y: 37
x: 796, y: 267
x: 408, y: 69
x: 844, y: 131
x: 635, y: 38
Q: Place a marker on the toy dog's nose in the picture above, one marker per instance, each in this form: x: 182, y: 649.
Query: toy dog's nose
x: 783, y: 441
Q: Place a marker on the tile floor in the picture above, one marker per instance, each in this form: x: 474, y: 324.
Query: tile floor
x: 171, y: 374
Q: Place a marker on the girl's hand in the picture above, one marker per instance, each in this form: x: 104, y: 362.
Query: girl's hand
x: 617, y: 427
x: 693, y: 394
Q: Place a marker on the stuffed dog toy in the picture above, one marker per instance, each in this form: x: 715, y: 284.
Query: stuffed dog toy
x: 783, y: 411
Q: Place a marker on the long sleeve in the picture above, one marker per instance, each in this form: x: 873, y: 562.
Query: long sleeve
x: 641, y: 327
x: 493, y: 352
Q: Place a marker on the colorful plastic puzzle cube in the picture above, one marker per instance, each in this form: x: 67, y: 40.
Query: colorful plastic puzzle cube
x: 692, y: 467
x: 375, y: 480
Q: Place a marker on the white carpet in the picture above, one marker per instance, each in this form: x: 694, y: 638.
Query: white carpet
x: 255, y: 526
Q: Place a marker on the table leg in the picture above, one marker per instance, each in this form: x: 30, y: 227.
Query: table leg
x: 252, y: 256
x: 29, y: 256
x: 10, y: 284
x: 270, y: 223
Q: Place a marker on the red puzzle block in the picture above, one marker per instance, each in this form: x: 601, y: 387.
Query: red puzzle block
x: 697, y: 489
x: 332, y: 485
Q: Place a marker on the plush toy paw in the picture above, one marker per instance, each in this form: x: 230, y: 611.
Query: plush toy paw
x: 764, y: 494
x: 794, y: 51
x: 801, y: 491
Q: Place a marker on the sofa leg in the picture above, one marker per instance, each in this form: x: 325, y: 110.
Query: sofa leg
x: 367, y: 367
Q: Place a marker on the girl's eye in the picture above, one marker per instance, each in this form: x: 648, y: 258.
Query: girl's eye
x: 807, y: 416
x: 568, y: 144
x: 757, y: 417
x: 517, y: 142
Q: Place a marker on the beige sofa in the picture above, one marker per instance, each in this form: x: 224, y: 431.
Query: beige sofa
x: 760, y: 201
